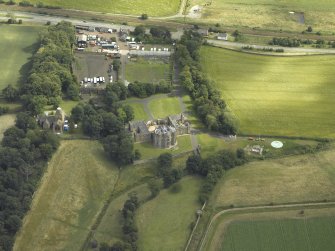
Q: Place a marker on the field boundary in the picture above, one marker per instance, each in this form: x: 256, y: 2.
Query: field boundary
x: 282, y: 206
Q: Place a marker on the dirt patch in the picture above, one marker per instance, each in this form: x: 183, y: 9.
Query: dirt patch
x: 195, y: 12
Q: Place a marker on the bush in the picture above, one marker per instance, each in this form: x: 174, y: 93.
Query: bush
x: 25, y: 4
x: 3, y: 110
x: 10, y: 2
x: 144, y: 17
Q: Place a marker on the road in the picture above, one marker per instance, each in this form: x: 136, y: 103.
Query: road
x: 43, y: 19
x: 237, y: 45
x: 257, y: 207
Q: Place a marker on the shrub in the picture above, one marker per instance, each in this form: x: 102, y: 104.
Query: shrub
x: 144, y: 16
x: 25, y: 4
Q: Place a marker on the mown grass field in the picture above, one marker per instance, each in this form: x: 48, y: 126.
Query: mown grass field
x: 269, y: 14
x: 6, y: 121
x: 147, y: 71
x: 17, y: 45
x: 291, y: 96
x: 274, y: 230
x: 289, y: 234
x: 78, y: 180
x: 164, y: 222
x: 301, y: 178
x: 139, y: 111
x: 148, y: 151
x: 135, y: 7
x: 165, y: 106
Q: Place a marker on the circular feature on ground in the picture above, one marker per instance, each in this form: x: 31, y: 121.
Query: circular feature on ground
x: 277, y: 144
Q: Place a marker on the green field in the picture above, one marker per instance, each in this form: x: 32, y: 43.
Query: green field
x: 164, y: 222
x: 273, y: 229
x: 302, y: 178
x: 16, y: 47
x: 288, y: 234
x: 148, y: 151
x: 269, y: 14
x: 165, y: 106
x: 211, y: 143
x: 292, y: 96
x: 147, y: 71
x: 135, y: 7
x: 6, y: 121
x: 78, y: 180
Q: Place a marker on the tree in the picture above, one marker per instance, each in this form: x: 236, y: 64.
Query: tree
x: 154, y: 187
x: 10, y: 93
x: 309, y: 29
x: 116, y: 64
x: 164, y: 163
x: 144, y: 16
x: 104, y: 247
x: 24, y: 121
x: 13, y: 223
x: 139, y: 31
x: 118, y: 246
x: 77, y: 113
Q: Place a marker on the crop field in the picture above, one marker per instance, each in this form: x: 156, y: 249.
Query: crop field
x: 16, y: 47
x: 301, y: 178
x: 147, y: 71
x: 270, y: 95
x: 270, y: 14
x: 6, y: 121
x: 136, y: 7
x: 78, y: 180
x: 148, y: 151
x: 165, y: 106
x: 164, y: 222
x: 275, y: 230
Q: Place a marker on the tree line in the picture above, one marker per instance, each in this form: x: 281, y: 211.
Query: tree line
x: 213, y: 168
x: 24, y: 153
x: 156, y: 35
x: 25, y: 149
x: 208, y: 103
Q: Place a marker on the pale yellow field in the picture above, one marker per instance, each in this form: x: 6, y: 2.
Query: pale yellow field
x: 288, y: 180
x: 72, y: 191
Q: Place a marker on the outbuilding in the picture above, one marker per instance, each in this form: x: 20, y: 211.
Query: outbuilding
x: 222, y: 36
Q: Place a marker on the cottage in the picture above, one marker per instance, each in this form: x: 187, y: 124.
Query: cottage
x: 203, y: 32
x: 53, y: 120
x: 222, y: 36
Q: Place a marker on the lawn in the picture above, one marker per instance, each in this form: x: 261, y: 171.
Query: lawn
x: 135, y: 7
x: 164, y: 222
x: 165, y: 106
x: 270, y: 14
x: 275, y: 230
x: 147, y: 71
x: 301, y: 178
x: 78, y: 180
x: 6, y: 121
x: 148, y: 151
x: 17, y: 45
x: 139, y: 111
x: 292, y: 96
